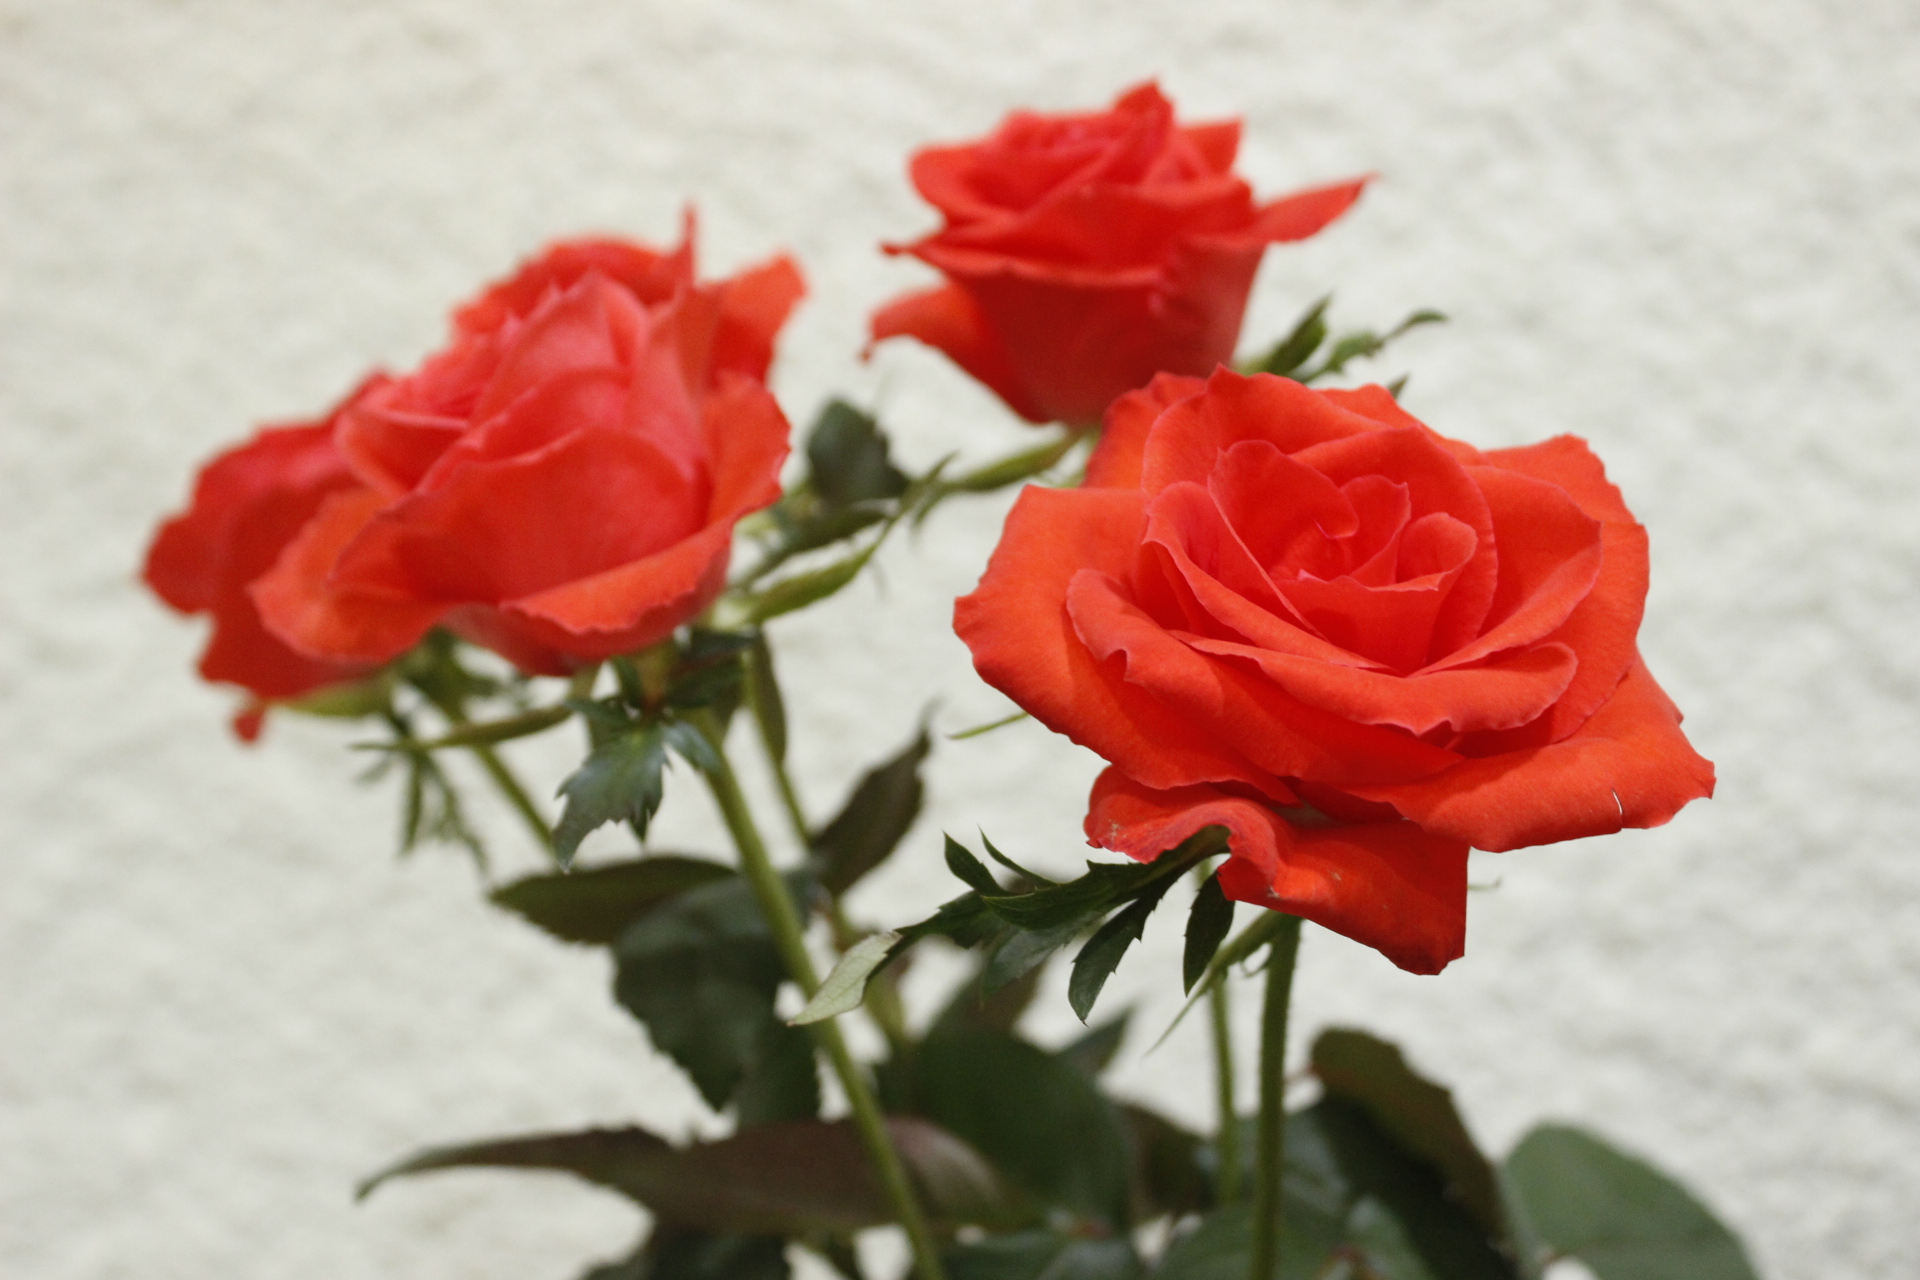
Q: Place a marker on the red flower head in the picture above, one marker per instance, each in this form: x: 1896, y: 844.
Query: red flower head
x: 1357, y: 645
x: 247, y: 505
x: 1085, y: 253
x: 561, y: 482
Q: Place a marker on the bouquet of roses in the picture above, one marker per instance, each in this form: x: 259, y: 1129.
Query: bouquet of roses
x: 1323, y: 648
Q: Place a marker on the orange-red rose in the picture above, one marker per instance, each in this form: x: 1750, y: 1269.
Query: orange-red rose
x: 247, y: 505
x: 1085, y: 253
x: 1359, y: 646
x: 561, y: 482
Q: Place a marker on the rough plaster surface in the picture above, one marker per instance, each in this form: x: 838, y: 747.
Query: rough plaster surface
x: 1688, y: 230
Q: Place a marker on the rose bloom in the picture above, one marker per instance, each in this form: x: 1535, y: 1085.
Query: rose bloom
x: 560, y: 484
x: 1357, y: 645
x: 248, y: 504
x: 1086, y: 252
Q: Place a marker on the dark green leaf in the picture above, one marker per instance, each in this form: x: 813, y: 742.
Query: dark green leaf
x: 626, y: 1160
x: 1041, y: 1123
x: 620, y: 782
x: 1042, y: 1255
x: 1169, y: 1177
x: 1021, y: 951
x: 875, y: 818
x: 1093, y: 1051
x: 675, y: 1253
x: 1624, y: 1219
x: 1098, y: 959
x: 1414, y: 1111
x: 965, y: 919
x: 1103, y: 887
x: 999, y: 1008
x: 1297, y: 347
x: 701, y: 971
x: 1208, y: 924
x: 768, y: 706
x: 963, y: 864
x: 1011, y: 865
x: 692, y: 745
x: 847, y: 457
x: 781, y: 1081
x: 595, y: 904
x: 839, y: 1253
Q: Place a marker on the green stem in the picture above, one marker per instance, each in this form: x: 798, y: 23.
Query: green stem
x: 1271, y: 1136
x: 516, y: 794
x: 777, y: 907
x: 1227, y: 1144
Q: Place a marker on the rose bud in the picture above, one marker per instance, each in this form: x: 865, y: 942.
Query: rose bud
x: 561, y: 482
x: 247, y: 505
x: 1357, y: 645
x: 1085, y: 253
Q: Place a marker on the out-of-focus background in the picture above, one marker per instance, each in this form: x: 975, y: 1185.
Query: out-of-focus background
x: 1688, y: 230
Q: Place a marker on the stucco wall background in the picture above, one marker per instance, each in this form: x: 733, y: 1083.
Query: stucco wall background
x: 1688, y: 230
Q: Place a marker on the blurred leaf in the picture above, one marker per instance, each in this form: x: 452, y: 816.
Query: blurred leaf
x: 1042, y: 1255
x: 1077, y: 901
x: 875, y: 818
x: 1093, y: 1052
x: 1414, y: 1111
x: 593, y: 905
x: 1208, y: 923
x: 768, y: 706
x: 701, y: 971
x: 1014, y: 468
x: 619, y: 782
x: 710, y: 670
x: 998, y: 1007
x: 803, y: 589
x: 1365, y: 343
x: 1624, y: 1219
x: 1098, y: 959
x: 1169, y: 1179
x: 847, y: 457
x: 782, y: 1078
x: 1298, y: 346
x: 483, y: 734
x: 679, y: 1254
x: 1042, y: 1124
x: 846, y: 986
x: 626, y: 1160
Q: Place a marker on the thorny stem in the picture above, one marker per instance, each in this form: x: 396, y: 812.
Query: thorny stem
x: 1270, y: 1151
x: 784, y: 922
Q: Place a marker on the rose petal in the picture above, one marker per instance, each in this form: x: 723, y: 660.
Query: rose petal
x: 1297, y: 216
x: 746, y: 439
x: 1023, y: 643
x: 1188, y: 439
x: 1117, y: 458
x: 948, y: 320
x: 1628, y: 766
x: 1389, y: 885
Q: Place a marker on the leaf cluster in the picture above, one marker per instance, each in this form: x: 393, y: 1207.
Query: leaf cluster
x: 1306, y: 355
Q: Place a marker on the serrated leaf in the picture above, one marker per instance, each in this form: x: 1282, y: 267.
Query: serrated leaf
x: 1298, y: 346
x: 692, y: 745
x: 876, y: 817
x: 1583, y: 1198
x: 619, y: 782
x: 847, y: 457
x: 1245, y: 944
x: 971, y: 870
x: 1098, y: 959
x: 846, y: 986
x: 1103, y: 887
x: 1208, y: 922
x: 701, y: 972
x: 1414, y: 1111
x: 594, y: 905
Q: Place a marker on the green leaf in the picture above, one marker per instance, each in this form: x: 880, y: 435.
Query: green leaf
x: 1265, y: 927
x: 623, y: 1159
x: 847, y: 457
x: 1414, y: 1111
x: 487, y: 733
x: 998, y: 1008
x: 1169, y: 1176
x: 1298, y: 346
x: 675, y: 1253
x: 1021, y: 951
x: 1042, y: 1255
x: 1624, y: 1219
x: 1041, y: 1123
x: 1104, y: 886
x: 620, y: 782
x: 1013, y: 866
x: 781, y: 1081
x: 1098, y: 959
x: 965, y: 866
x: 692, y: 745
x: 595, y: 904
x: 875, y: 818
x: 1208, y: 923
x: 965, y: 919
x: 846, y: 986
x: 768, y: 707
x: 701, y: 971
x: 1093, y: 1051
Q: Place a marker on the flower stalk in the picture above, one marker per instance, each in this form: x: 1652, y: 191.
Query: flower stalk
x: 1270, y: 1153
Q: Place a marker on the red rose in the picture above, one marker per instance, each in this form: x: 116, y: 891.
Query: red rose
x: 247, y: 504
x: 1086, y: 253
x: 561, y: 482
x: 1358, y: 645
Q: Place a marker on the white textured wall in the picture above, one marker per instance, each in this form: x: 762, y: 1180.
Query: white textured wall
x: 1688, y: 230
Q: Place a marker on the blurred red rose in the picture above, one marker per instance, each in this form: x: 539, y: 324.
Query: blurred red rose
x: 1358, y: 645
x: 247, y: 504
x: 1085, y: 253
